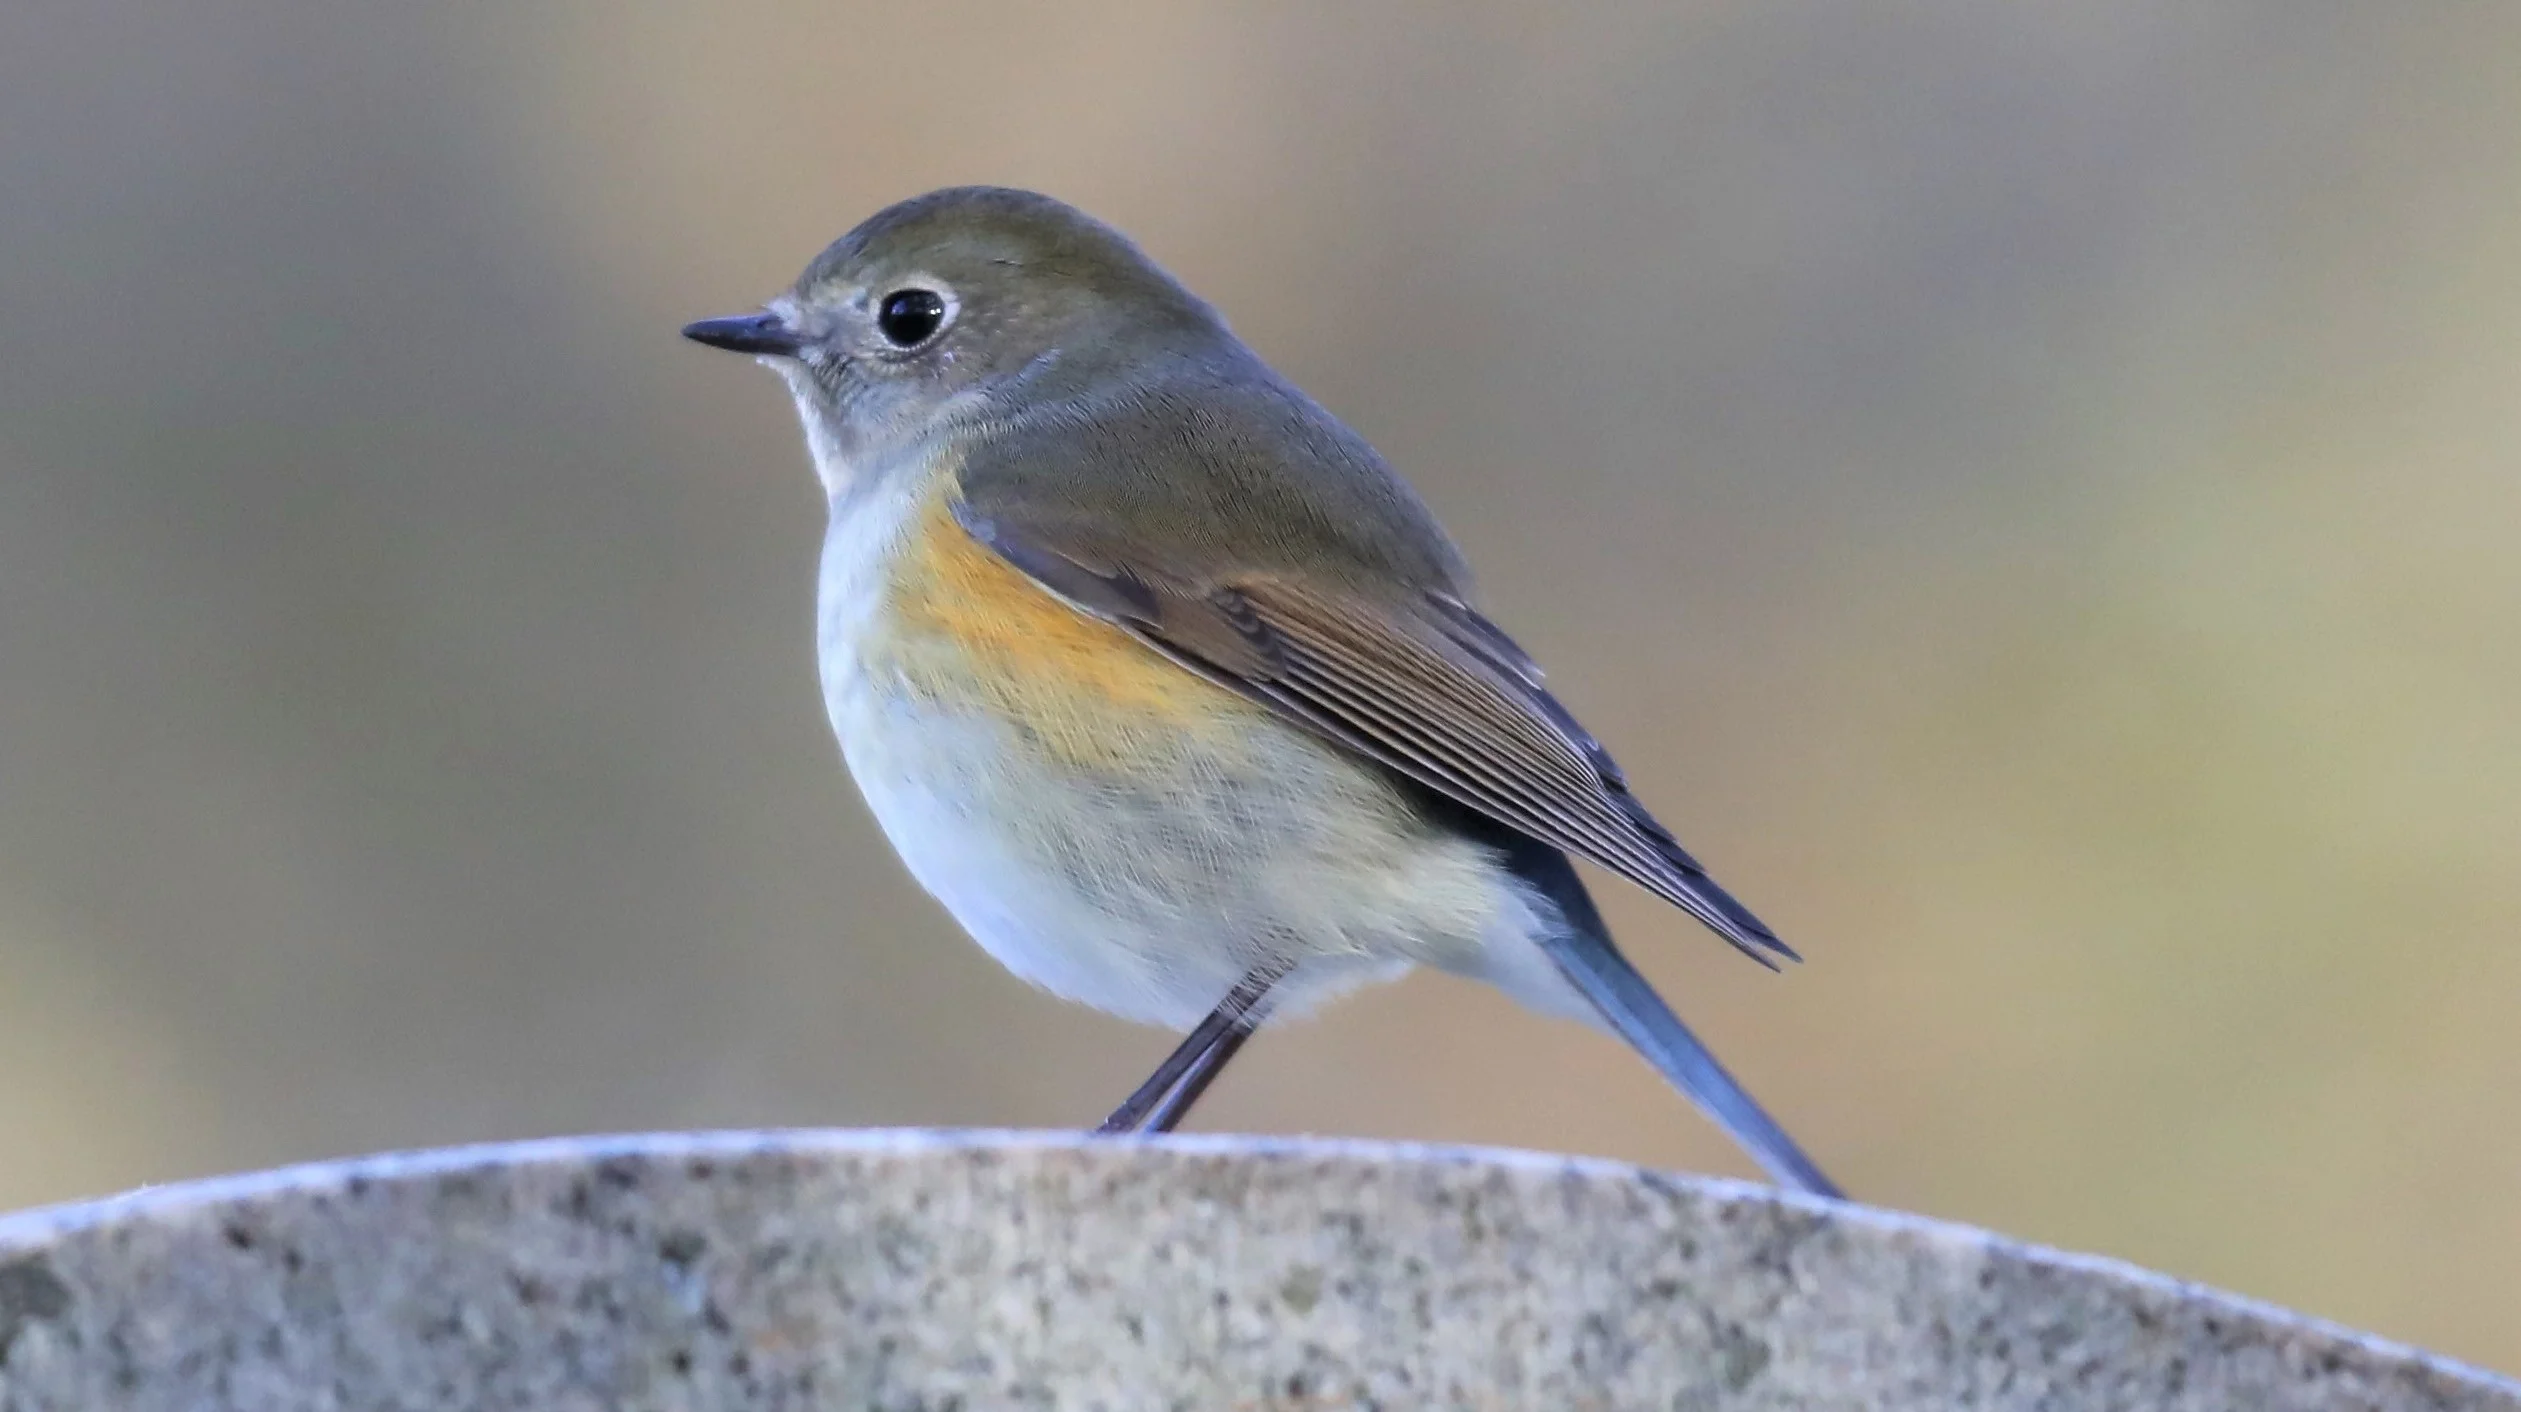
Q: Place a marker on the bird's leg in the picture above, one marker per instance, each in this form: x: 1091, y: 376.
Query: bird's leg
x: 1135, y: 1108
x: 1167, y: 1095
x: 1203, y: 1072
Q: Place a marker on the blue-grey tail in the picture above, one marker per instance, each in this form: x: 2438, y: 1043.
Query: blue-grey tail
x: 1585, y: 955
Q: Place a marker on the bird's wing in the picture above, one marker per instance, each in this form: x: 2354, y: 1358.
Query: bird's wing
x: 1417, y: 681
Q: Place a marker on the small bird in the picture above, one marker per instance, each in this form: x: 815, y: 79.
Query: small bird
x: 1165, y: 684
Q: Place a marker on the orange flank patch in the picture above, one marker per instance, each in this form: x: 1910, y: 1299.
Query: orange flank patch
x: 968, y: 629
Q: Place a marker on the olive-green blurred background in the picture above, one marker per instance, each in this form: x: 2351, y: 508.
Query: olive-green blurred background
x: 2030, y: 493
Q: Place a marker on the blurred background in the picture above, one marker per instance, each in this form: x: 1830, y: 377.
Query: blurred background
x: 2029, y: 492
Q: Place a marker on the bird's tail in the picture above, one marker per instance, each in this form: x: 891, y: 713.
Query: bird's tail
x: 1582, y: 951
x: 1595, y: 968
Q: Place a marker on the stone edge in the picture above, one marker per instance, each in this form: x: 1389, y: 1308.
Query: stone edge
x: 30, y: 1231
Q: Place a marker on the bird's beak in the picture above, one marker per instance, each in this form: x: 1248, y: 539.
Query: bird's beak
x: 763, y: 334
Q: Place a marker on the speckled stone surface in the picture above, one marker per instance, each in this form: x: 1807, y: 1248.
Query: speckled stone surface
x: 921, y: 1272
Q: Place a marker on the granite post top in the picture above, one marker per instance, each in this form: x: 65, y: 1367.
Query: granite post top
x: 925, y: 1270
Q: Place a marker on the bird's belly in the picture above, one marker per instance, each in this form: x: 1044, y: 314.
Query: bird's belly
x: 1142, y: 864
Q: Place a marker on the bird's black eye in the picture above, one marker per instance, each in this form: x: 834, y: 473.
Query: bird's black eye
x: 908, y: 316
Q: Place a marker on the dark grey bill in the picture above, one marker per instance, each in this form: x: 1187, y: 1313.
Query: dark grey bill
x: 745, y: 333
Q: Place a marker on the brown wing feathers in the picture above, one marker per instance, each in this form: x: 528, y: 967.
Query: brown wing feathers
x: 1429, y: 689
x: 1498, y: 743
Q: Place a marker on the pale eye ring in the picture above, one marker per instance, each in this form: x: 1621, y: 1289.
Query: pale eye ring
x: 909, y: 317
